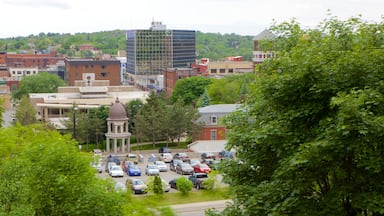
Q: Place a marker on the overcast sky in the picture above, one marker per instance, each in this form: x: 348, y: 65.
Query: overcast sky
x: 245, y: 17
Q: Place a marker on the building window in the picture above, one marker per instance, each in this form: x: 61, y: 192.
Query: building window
x: 103, y: 74
x: 213, y: 70
x: 103, y: 66
x: 213, y: 135
x: 230, y: 70
x: 213, y: 120
x: 222, y: 70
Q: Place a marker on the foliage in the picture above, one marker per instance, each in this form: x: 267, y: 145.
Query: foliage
x: 211, y: 182
x: 40, y: 83
x: 309, y: 137
x: 204, y: 99
x: 190, y: 89
x: 132, y: 109
x: 235, y: 91
x: 43, y: 173
x: 180, y: 120
x: 155, y: 185
x: 184, y: 185
x: 90, y: 126
x: 215, y: 46
x: 150, y: 120
x: 25, y: 112
x: 1, y: 111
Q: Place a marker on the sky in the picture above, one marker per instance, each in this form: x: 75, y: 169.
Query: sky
x: 243, y: 17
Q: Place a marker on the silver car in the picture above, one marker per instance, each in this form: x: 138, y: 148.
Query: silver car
x: 162, y: 166
x: 152, y: 169
x: 184, y: 168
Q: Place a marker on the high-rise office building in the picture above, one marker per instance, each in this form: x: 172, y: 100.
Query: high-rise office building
x: 151, y: 51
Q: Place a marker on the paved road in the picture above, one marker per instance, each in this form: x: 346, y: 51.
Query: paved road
x: 198, y: 209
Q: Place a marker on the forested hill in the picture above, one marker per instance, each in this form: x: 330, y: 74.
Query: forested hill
x: 209, y: 45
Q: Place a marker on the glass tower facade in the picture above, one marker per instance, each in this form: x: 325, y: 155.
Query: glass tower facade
x: 150, y: 52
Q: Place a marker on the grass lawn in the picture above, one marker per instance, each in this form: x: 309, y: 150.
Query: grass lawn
x: 193, y: 196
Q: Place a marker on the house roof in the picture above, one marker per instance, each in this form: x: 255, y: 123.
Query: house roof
x: 266, y: 34
x: 219, y: 108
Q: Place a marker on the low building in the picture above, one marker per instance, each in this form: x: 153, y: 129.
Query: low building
x: 210, y: 117
x: 54, y: 107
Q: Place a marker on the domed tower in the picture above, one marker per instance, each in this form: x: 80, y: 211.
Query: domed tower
x: 117, y: 124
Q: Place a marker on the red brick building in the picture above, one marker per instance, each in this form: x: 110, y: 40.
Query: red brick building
x: 89, y: 70
x: 29, y: 60
x: 209, y: 116
x: 171, y: 75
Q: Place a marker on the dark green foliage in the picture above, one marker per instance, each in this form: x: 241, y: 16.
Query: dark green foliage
x: 39, y: 83
x: 190, y: 89
x: 309, y: 137
x: 204, y: 100
x: 158, y: 185
x: 214, y: 46
x: 25, y: 112
x: 184, y: 185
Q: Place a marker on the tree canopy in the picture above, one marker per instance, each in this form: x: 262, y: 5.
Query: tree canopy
x: 309, y: 137
x: 190, y: 89
x: 39, y: 83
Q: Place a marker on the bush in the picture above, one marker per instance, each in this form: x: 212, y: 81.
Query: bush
x: 155, y: 185
x: 184, y: 185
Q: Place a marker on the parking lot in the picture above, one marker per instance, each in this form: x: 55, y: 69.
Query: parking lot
x: 167, y: 176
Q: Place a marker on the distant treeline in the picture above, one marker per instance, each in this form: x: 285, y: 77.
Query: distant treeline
x: 214, y: 46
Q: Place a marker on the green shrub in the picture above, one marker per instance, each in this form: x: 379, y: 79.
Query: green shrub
x: 184, y: 185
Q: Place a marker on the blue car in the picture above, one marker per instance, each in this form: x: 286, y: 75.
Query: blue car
x: 133, y: 170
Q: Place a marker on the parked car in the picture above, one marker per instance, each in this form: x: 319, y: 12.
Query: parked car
x: 161, y: 165
x: 166, y: 186
x: 202, y: 168
x: 113, y: 158
x: 181, y: 156
x: 225, y: 154
x: 136, y: 185
x: 194, y: 162
x: 109, y: 165
x: 173, y: 164
x: 152, y: 169
x: 213, y: 164
x: 132, y: 157
x: 184, y: 168
x: 97, y: 166
x: 126, y: 164
x: 172, y: 183
x: 197, y: 179
x: 116, y: 171
x: 133, y: 170
x: 208, y: 155
x: 164, y: 150
x: 97, y: 152
x: 166, y: 157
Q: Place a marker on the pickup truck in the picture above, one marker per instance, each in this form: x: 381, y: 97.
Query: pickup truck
x: 197, y: 179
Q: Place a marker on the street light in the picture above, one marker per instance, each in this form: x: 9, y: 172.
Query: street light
x: 74, y: 121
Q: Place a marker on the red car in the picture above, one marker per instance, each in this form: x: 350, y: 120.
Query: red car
x: 201, y: 168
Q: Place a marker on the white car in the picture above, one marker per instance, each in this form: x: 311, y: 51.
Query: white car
x: 166, y: 157
x: 116, y: 171
x: 161, y: 165
x: 152, y: 169
x: 109, y: 166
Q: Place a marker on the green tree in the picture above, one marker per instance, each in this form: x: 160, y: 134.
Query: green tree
x: 25, y: 112
x: 39, y: 83
x: 52, y: 177
x: 309, y: 138
x: 180, y: 119
x: 132, y: 109
x: 204, y: 100
x: 150, y: 119
x: 184, y: 185
x: 190, y: 89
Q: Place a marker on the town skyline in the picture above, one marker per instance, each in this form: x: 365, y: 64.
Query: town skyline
x: 243, y: 17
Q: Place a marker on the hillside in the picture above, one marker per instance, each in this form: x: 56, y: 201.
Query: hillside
x: 208, y: 45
